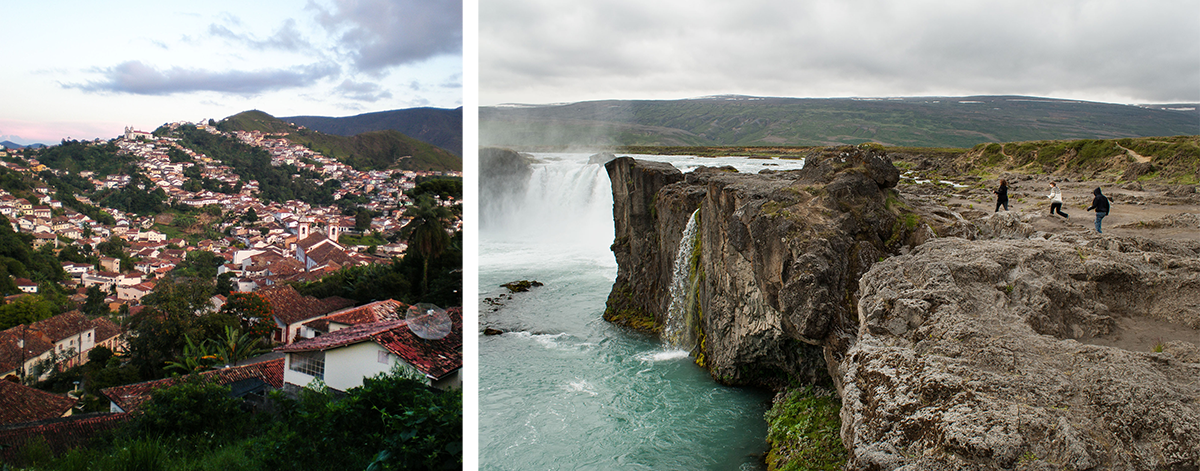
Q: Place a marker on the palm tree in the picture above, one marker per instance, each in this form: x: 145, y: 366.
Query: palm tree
x: 237, y: 346
x: 427, y: 232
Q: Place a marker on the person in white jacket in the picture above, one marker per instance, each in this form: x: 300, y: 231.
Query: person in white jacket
x: 1056, y: 200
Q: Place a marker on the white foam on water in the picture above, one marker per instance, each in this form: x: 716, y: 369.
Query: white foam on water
x: 580, y: 386
x: 663, y: 355
x: 546, y: 340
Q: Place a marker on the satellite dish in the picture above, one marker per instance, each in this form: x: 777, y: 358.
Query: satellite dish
x: 428, y: 321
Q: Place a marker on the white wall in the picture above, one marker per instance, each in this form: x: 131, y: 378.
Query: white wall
x: 346, y: 367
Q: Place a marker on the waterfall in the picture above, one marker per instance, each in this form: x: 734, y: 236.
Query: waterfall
x: 679, y: 330
x: 563, y: 200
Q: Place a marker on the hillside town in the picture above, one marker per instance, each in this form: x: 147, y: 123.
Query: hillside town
x: 261, y: 250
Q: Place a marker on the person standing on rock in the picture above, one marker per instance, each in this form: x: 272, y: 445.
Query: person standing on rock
x: 1100, y: 204
x: 1056, y: 200
x: 1001, y: 195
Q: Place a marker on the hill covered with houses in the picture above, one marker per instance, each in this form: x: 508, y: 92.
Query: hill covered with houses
x: 166, y: 254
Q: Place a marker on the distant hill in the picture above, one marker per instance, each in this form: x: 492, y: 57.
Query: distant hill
x: 365, y: 151
x: 438, y: 126
x: 762, y: 121
x: 13, y: 145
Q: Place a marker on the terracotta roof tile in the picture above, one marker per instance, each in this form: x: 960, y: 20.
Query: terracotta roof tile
x: 386, y: 310
x: 10, y: 351
x: 290, y: 307
x: 19, y: 403
x: 131, y: 396
x: 436, y: 358
x: 61, y: 434
x: 105, y: 329
x: 62, y: 326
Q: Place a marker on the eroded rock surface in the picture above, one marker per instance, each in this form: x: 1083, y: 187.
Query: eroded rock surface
x: 780, y: 256
x: 973, y: 355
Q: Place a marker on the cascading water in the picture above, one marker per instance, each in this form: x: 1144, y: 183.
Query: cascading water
x: 562, y: 388
x: 679, y: 330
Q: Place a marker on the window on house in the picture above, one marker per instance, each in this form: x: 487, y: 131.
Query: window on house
x: 383, y: 357
x: 309, y: 363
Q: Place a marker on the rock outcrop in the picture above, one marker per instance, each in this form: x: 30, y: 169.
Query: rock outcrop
x: 780, y: 256
x: 642, y: 287
x: 977, y: 342
x: 976, y: 355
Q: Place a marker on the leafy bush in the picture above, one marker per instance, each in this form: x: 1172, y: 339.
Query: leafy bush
x: 192, y: 408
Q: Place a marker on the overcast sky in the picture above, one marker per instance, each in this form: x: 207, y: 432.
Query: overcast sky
x: 548, y: 51
x: 85, y: 69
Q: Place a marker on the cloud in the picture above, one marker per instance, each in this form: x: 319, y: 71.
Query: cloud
x: 379, y: 34
x: 363, y: 91
x: 135, y: 77
x: 287, y: 38
x: 540, y: 51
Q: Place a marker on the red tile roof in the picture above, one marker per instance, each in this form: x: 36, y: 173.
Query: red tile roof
x: 19, y: 403
x: 290, y: 307
x: 10, y: 352
x: 105, y: 329
x: 64, y: 325
x: 131, y: 396
x: 61, y: 434
x: 386, y: 310
x: 435, y: 358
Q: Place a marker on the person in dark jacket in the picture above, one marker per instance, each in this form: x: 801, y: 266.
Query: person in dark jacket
x: 1001, y: 195
x: 1100, y: 204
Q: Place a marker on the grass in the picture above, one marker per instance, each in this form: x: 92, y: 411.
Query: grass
x: 804, y: 430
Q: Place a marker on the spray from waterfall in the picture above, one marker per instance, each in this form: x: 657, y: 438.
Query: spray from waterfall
x: 680, y: 328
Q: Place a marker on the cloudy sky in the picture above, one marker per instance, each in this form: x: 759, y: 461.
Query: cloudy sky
x: 85, y: 69
x: 1115, y: 51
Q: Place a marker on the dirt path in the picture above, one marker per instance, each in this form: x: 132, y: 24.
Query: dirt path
x: 1129, y: 207
x: 1136, y: 156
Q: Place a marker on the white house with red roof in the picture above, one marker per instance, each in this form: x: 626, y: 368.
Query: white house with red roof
x: 341, y: 359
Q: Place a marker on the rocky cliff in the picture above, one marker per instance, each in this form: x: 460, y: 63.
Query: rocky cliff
x: 779, y: 257
x: 954, y: 343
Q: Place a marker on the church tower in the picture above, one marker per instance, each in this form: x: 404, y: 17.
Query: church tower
x: 304, y: 227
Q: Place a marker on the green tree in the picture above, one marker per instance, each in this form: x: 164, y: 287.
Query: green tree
x: 252, y: 312
x: 25, y: 310
x: 177, y: 309
x: 94, y: 306
x: 189, y: 409
x: 236, y: 346
x: 426, y: 232
x: 362, y: 220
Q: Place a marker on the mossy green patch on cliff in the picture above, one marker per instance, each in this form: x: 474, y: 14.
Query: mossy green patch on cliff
x: 803, y: 429
x: 621, y: 310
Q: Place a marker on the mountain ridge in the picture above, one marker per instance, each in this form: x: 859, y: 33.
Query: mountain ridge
x: 376, y: 149
x: 441, y: 127
x: 932, y: 121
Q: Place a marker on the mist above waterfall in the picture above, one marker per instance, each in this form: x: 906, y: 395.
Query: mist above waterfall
x: 563, y: 201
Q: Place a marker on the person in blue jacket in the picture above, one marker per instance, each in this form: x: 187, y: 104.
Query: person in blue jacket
x: 1100, y: 204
